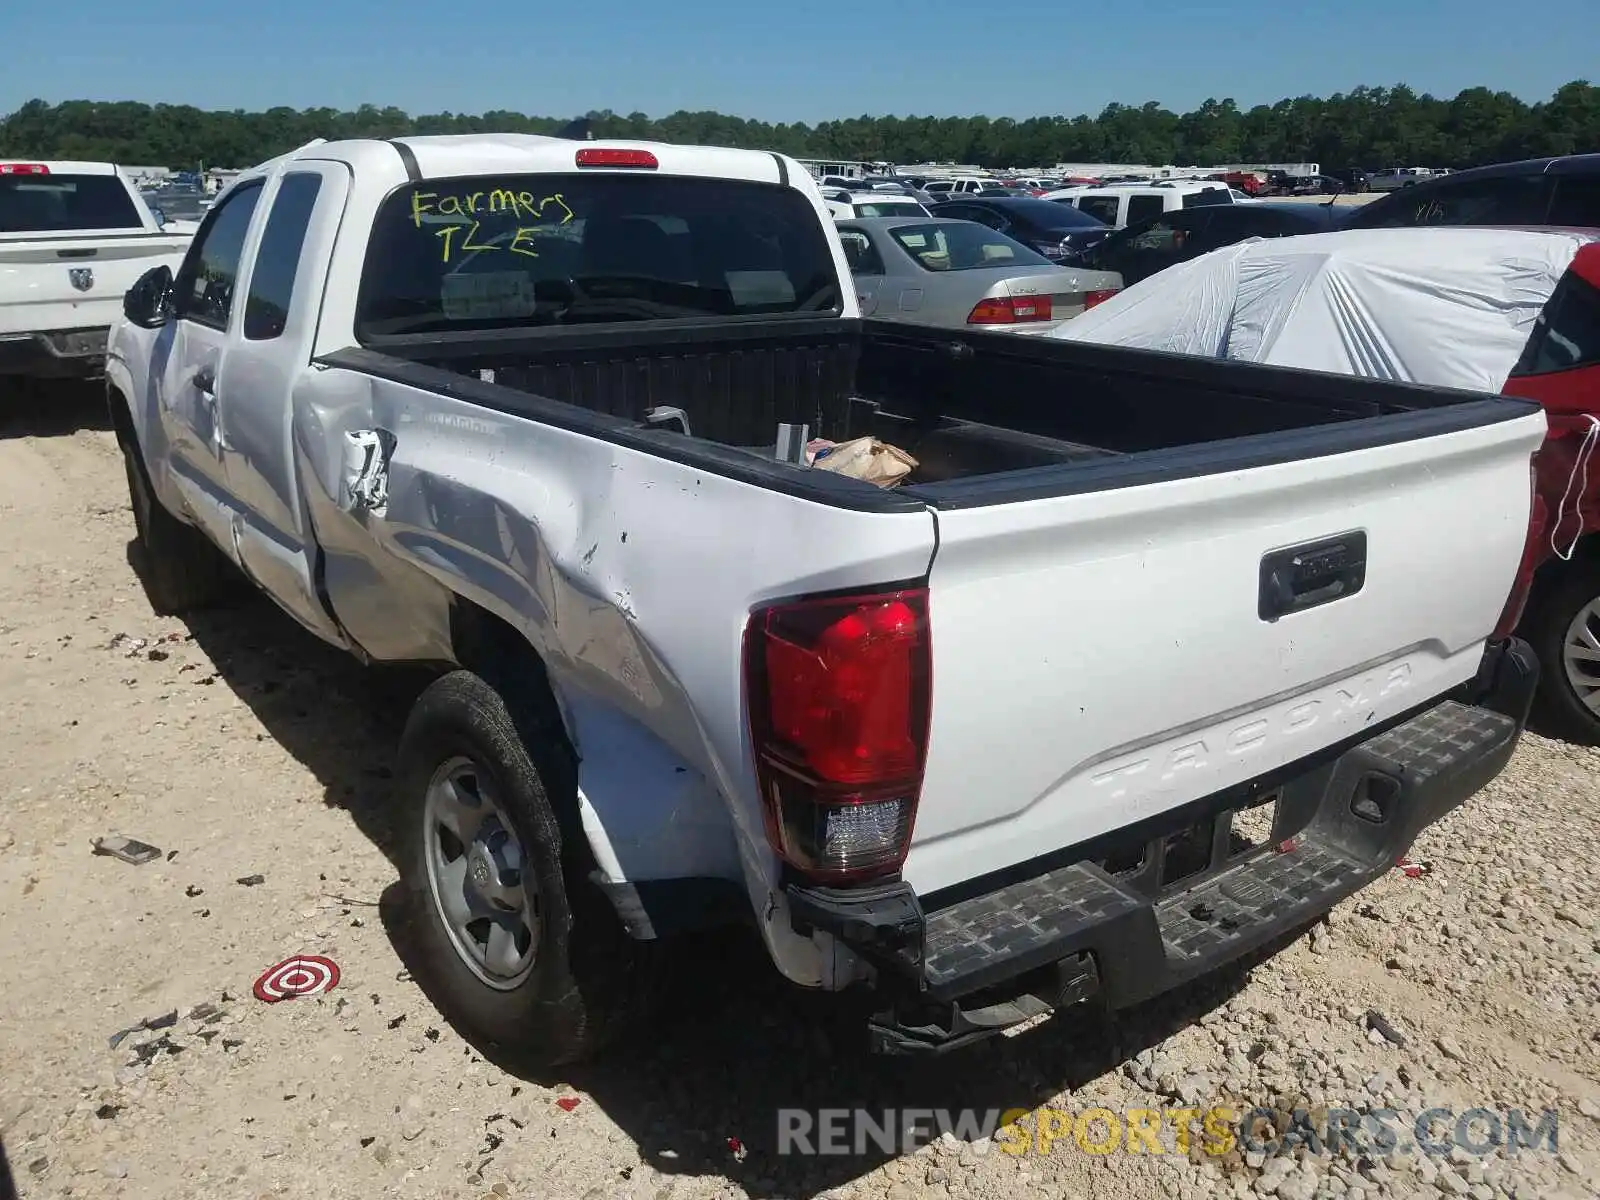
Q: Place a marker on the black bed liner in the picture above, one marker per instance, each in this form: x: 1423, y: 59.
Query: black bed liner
x: 992, y: 417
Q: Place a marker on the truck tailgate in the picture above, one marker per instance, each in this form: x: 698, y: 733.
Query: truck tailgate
x: 1103, y: 657
x: 76, y: 281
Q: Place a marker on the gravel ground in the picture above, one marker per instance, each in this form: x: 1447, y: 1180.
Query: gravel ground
x: 242, y: 747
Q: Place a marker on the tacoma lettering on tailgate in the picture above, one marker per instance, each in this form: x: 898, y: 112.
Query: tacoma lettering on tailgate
x: 1160, y: 765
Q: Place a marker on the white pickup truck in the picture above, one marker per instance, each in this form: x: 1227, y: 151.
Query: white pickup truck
x: 74, y: 236
x: 971, y: 747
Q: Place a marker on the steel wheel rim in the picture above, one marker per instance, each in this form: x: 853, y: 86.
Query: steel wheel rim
x: 1580, y: 655
x: 483, y: 891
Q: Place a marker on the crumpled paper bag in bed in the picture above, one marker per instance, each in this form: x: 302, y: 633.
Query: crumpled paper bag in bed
x: 866, y: 458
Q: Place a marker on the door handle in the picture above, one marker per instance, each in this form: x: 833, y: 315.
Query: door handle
x: 205, y: 379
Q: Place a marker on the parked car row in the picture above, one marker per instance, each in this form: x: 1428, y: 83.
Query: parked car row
x: 956, y: 273
x: 1135, y: 231
x: 1016, y: 265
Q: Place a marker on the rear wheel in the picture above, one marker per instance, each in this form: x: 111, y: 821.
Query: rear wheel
x: 1564, y: 628
x: 181, y: 569
x: 515, y: 945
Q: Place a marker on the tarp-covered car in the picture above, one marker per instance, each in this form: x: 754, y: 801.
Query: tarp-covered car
x: 1445, y: 306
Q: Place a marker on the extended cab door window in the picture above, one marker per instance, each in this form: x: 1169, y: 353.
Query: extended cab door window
x: 277, y: 260
x: 203, y: 291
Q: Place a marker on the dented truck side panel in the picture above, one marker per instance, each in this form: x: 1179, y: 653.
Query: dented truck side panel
x: 629, y: 574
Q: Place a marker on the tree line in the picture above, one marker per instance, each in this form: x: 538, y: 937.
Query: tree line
x: 1368, y: 127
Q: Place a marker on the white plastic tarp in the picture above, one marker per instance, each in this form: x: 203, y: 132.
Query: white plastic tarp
x: 1445, y: 306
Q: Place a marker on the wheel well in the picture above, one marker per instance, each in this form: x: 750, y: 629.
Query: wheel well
x: 1554, y: 571
x: 121, y: 418
x: 491, y: 648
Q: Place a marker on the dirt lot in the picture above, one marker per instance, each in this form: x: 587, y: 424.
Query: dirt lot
x: 241, y: 747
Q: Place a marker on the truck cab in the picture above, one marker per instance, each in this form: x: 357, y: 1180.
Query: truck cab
x: 74, y: 236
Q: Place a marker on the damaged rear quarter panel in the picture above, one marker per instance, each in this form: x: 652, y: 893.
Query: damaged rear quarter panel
x: 631, y: 575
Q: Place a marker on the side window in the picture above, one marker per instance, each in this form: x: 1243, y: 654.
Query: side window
x: 1510, y: 200
x: 860, y: 253
x: 956, y: 211
x: 1247, y: 221
x: 1142, y: 208
x: 203, y: 291
x: 266, y: 311
x: 1577, y: 201
x: 1157, y: 236
x: 1101, y: 208
x: 1515, y: 200
x: 984, y: 216
x: 1567, y: 333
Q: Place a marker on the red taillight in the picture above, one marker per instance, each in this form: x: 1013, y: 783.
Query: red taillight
x: 24, y: 169
x: 839, y: 692
x: 601, y: 157
x: 1099, y: 296
x: 1010, y: 310
x: 1532, y: 554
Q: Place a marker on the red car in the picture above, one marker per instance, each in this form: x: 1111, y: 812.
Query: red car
x: 1560, y: 368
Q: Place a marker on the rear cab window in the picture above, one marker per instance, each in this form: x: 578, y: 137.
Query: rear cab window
x: 41, y: 203
x: 495, y: 252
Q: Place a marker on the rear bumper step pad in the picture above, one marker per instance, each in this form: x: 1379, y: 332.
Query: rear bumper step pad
x: 1336, y: 827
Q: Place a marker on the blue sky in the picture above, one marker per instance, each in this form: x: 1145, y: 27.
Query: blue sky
x: 779, y: 62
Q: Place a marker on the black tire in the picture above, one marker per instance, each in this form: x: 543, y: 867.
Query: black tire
x: 589, y: 980
x: 1545, y: 626
x: 180, y: 569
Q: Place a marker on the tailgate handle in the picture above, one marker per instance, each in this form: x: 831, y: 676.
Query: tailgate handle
x: 1313, y: 573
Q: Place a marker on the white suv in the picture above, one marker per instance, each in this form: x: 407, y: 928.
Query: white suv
x: 1127, y: 205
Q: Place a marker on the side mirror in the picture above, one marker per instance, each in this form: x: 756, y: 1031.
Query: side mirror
x: 148, y: 302
x: 161, y: 218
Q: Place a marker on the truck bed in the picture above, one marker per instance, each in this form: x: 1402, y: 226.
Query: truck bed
x: 1190, y: 573
x: 968, y: 407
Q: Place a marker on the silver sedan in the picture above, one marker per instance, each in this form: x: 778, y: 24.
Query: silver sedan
x: 959, y: 274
